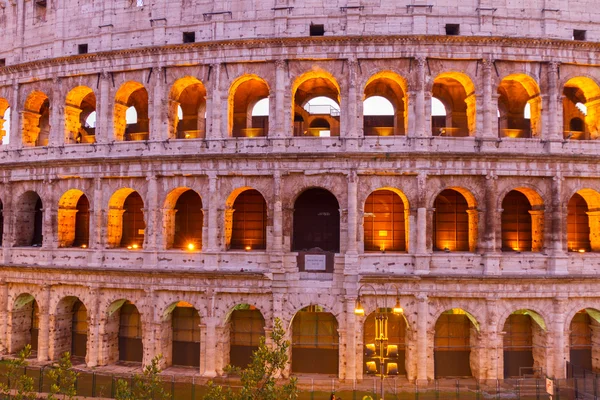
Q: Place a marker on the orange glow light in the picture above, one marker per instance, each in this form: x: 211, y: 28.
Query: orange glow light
x: 248, y: 248
x: 191, y: 246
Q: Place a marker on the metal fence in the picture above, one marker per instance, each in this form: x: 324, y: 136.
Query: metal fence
x: 100, y: 385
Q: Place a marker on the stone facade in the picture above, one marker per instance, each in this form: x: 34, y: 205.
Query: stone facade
x: 139, y: 47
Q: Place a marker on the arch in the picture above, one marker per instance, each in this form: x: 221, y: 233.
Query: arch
x: 73, y: 219
x: 246, y: 328
x: 23, y: 323
x: 70, y: 328
x: 385, y: 221
x: 181, y: 325
x: 522, y: 220
x: 581, y: 123
x: 183, y: 219
x: 36, y: 119
x: 584, y: 333
x: 123, y: 332
x: 457, y: 92
x: 187, y: 94
x: 524, y: 344
x: 4, y: 121
x: 80, y: 103
x: 578, y: 216
x: 310, y: 85
x: 246, y: 219
x: 515, y: 92
x: 126, y: 223
x: 131, y: 94
x: 29, y: 222
x: 244, y: 93
x: 455, y: 344
x: 316, y: 221
x: 315, y: 341
x: 455, y: 221
x: 395, y: 350
x: 393, y: 88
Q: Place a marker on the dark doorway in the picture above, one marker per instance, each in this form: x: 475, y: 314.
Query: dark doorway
x: 518, y: 346
x: 580, y: 340
x: 452, y: 345
x: 316, y: 221
x: 79, y: 330
x: 189, y: 220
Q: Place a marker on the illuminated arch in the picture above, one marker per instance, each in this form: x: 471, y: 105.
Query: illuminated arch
x: 36, y: 119
x: 183, y: 227
x: 117, y: 224
x: 244, y: 93
x: 522, y: 223
x: 246, y: 227
x: 455, y: 339
x: 23, y: 323
x: 393, y: 88
x: 73, y: 219
x: 4, y: 121
x: 189, y: 95
x: 516, y: 91
x: 385, y: 226
x: 80, y: 105
x: 584, y: 90
x: 457, y: 92
x: 131, y: 94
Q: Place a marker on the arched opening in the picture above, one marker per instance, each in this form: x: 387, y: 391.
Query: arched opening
x: 584, y: 333
x: 73, y: 219
x: 578, y: 224
x: 185, y: 326
x: 457, y: 93
x: 524, y: 344
x: 385, y: 222
x: 516, y: 222
x: 28, y: 231
x: 126, y: 224
x: 451, y: 222
x: 519, y: 106
x: 24, y: 324
x: 246, y: 327
x: 4, y: 121
x: 316, y: 221
x: 395, y: 351
x: 36, y: 120
x: 455, y: 340
x: 130, y: 347
x: 70, y: 328
x: 245, y: 93
x: 315, y: 342
x: 384, y: 105
x: 316, y: 94
x: 80, y: 116
x: 581, y: 101
x: 187, y: 109
x: 130, y: 119
x: 188, y: 219
x: 248, y: 221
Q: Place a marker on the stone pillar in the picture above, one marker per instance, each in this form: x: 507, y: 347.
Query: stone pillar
x: 93, y: 348
x: 537, y: 230
x: 209, y: 346
x: 103, y: 111
x: 419, y: 108
x: 421, y: 214
x: 213, y: 104
x: 488, y: 111
x: 97, y: 237
x: 473, y: 216
x: 277, y: 245
x: 49, y: 228
x: 279, y: 128
x: 352, y: 246
x: 159, y: 122
x: 213, y: 211
x: 15, y: 141
x: 594, y: 218
x: 56, y: 137
x: 491, y: 344
x: 44, y: 318
x: 492, y: 236
x: 554, y: 130
x: 3, y: 316
x: 422, y: 315
x: 348, y: 126
x: 561, y: 335
x: 151, y: 232
x: 353, y: 359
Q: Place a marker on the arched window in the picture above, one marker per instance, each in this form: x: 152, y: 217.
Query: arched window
x: 451, y: 222
x: 131, y: 116
x: 6, y: 127
x: 516, y: 222
x: 581, y: 340
x: 249, y: 221
x: 316, y: 221
x: 189, y: 220
x: 130, y: 334
x: 185, y: 324
x: 248, y: 92
x: 79, y: 330
x: 452, y: 344
x: 261, y: 108
x: 315, y: 342
x: 578, y: 224
x: 247, y: 326
x: 90, y: 121
x: 133, y: 221
x: 384, y: 222
x: 316, y: 94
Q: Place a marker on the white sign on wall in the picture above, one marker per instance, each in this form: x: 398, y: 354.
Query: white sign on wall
x: 315, y: 262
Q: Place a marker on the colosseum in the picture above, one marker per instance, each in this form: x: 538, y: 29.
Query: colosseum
x: 177, y: 174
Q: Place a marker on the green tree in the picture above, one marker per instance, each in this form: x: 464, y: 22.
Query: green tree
x: 259, y: 379
x: 143, y: 387
x: 18, y: 385
x: 63, y: 379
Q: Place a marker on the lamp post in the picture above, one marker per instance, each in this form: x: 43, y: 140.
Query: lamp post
x: 380, y: 347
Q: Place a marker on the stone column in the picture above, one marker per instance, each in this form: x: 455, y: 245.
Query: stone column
x: 158, y: 124
x: 91, y: 358
x: 554, y: 130
x: 419, y: 108
x: 561, y: 335
x: 421, y: 214
x: 279, y: 128
x: 3, y: 316
x: 537, y: 230
x: 103, y: 111
x: 353, y: 359
x: 15, y: 140
x: 473, y: 218
x: 352, y: 246
x: 151, y: 232
x: 97, y: 238
x: 213, y: 211
x: 492, y: 236
x: 422, y: 315
x: 277, y: 245
x: 594, y: 218
x: 56, y: 136
x: 44, y: 319
x: 49, y: 229
x: 348, y: 120
x: 213, y: 104
x: 210, y: 346
x: 488, y: 111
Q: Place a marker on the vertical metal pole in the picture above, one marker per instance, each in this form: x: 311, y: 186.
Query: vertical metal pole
x: 193, y: 388
x: 93, y: 384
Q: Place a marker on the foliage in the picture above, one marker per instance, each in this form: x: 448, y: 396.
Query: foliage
x: 63, y: 379
x: 18, y: 384
x: 259, y: 378
x: 145, y: 386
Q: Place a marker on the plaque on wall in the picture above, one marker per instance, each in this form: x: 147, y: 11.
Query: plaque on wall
x: 315, y: 262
